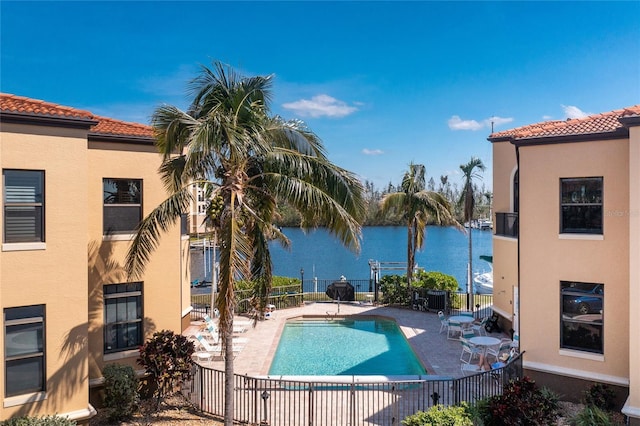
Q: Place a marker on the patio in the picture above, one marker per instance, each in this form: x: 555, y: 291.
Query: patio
x: 439, y: 355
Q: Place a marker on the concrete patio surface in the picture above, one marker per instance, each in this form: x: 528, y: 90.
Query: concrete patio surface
x: 439, y: 355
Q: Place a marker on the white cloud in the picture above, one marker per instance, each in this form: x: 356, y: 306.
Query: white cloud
x: 547, y: 117
x: 367, y: 151
x: 456, y: 123
x: 571, y: 111
x: 320, y: 106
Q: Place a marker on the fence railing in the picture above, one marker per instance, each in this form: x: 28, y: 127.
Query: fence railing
x: 451, y: 303
x: 341, y: 400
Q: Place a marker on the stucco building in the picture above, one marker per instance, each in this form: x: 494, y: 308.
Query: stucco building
x: 74, y: 187
x: 566, y: 250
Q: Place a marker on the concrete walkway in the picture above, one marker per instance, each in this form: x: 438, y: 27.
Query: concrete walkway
x: 439, y: 355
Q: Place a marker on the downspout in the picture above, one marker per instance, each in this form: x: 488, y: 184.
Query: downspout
x: 519, y: 236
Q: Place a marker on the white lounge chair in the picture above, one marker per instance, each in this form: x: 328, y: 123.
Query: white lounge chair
x: 237, y: 328
x: 212, y: 351
x: 214, y: 336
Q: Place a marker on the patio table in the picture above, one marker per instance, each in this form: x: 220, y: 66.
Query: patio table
x: 484, y: 342
x: 462, y: 319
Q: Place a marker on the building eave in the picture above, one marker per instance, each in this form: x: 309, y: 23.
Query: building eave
x: 47, y: 120
x: 104, y: 137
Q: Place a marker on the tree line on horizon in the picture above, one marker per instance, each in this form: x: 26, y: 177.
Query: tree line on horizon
x: 451, y: 191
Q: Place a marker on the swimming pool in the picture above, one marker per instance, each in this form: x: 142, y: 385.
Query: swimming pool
x: 344, y: 346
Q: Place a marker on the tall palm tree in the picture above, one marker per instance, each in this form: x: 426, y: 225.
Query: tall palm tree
x: 418, y: 207
x: 468, y: 200
x: 228, y: 141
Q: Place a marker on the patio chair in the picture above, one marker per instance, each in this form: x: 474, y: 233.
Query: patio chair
x: 466, y: 314
x: 452, y: 329
x: 496, y: 350
x: 444, y: 324
x: 479, y: 327
x: 467, y: 333
x: 470, y: 350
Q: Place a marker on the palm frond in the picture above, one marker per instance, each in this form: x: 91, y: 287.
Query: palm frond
x: 150, y: 229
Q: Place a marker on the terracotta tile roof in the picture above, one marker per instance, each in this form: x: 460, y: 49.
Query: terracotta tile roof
x: 607, y: 122
x: 110, y: 126
x: 27, y: 106
x: 105, y: 126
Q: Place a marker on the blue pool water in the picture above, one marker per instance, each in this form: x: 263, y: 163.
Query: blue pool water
x: 350, y: 346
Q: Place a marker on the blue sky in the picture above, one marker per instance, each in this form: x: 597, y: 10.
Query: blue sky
x: 382, y: 83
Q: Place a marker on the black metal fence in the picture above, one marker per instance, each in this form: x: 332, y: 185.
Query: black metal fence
x: 341, y: 400
x: 451, y: 303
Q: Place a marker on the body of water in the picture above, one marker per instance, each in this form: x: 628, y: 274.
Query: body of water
x: 322, y: 256
x: 375, y: 346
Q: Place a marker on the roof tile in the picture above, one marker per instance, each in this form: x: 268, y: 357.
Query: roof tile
x: 606, y: 122
x: 105, y: 126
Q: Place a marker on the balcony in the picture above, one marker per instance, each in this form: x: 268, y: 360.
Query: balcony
x: 507, y: 225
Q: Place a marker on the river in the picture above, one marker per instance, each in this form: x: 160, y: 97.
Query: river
x: 320, y: 255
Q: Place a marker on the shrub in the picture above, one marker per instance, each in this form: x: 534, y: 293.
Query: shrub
x: 167, y: 360
x: 521, y: 403
x: 433, y: 280
x: 591, y: 416
x: 601, y: 396
x: 394, y: 289
x: 39, y: 421
x: 120, y: 391
x: 441, y: 416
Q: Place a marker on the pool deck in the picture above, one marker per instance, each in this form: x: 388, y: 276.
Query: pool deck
x: 439, y: 355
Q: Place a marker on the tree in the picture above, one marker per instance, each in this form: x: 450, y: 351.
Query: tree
x: 228, y: 140
x: 467, y: 199
x: 418, y: 207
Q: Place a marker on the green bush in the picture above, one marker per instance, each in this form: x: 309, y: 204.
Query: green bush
x: 439, y: 415
x: 120, y: 391
x: 39, y: 421
x: 394, y: 289
x: 166, y: 358
x: 591, y: 416
x: 521, y: 403
x: 434, y: 280
x: 601, y: 396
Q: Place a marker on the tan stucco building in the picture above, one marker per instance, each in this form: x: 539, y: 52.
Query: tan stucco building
x: 566, y: 250
x: 74, y: 186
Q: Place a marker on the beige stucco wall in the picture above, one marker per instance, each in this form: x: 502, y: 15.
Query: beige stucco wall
x: 55, y: 276
x: 165, y: 281
x: 546, y: 258
x: 505, y: 249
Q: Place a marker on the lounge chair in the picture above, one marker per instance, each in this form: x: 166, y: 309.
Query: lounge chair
x: 237, y: 328
x: 214, y: 336
x: 210, y: 351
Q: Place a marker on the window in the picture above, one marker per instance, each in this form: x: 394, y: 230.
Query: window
x: 582, y: 315
x: 23, y: 206
x: 122, y: 205
x: 122, y: 317
x: 581, y: 205
x: 24, y: 350
x: 184, y: 224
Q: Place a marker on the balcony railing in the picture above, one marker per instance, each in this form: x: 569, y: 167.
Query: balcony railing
x: 507, y: 224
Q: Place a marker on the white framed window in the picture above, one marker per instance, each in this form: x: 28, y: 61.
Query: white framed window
x: 122, y: 317
x: 581, y: 202
x: 24, y: 350
x: 23, y: 206
x: 122, y: 210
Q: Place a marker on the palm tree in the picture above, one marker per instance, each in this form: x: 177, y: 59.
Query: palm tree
x: 228, y: 141
x: 467, y: 199
x: 418, y: 207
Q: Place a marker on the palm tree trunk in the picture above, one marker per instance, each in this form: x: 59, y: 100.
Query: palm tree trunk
x: 411, y: 252
x: 469, y: 275
x: 228, y: 373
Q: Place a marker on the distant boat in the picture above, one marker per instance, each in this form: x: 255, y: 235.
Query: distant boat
x: 484, y: 282
x: 485, y: 224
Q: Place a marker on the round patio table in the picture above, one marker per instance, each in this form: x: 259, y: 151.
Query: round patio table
x: 484, y: 342
x: 462, y: 319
